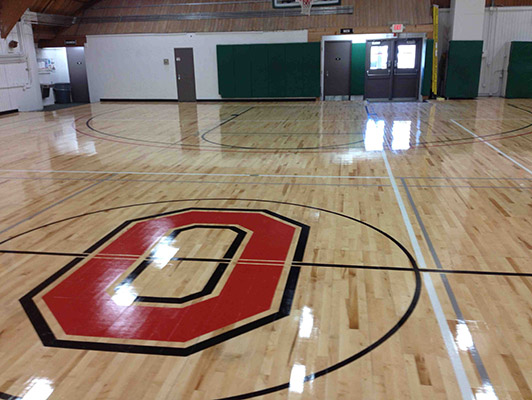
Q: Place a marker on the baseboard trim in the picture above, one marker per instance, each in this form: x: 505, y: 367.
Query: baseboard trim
x: 214, y: 100
x: 142, y: 100
x: 9, y: 111
x: 263, y: 99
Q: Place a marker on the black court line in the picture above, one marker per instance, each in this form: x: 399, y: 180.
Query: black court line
x: 268, y: 262
x: 311, y: 376
x: 88, y: 125
x: 5, y: 396
x: 234, y: 116
x: 55, y: 204
x: 520, y: 108
x: 329, y: 147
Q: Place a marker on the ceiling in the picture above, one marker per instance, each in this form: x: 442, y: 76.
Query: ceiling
x: 12, y: 10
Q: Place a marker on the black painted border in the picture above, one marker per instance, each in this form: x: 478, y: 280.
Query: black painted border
x: 48, y: 338
x: 211, y: 283
x: 404, y: 318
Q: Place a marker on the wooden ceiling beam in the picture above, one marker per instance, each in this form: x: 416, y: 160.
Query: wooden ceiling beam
x: 10, y: 13
x: 58, y: 39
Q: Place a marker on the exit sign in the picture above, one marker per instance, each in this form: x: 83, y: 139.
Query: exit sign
x: 397, y: 28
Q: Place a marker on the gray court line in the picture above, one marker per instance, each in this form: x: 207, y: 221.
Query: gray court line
x: 194, y: 174
x: 464, y: 178
x: 471, y: 187
x: 448, y: 339
x: 252, y: 175
x: 486, y: 382
x: 53, y: 205
x: 212, y: 182
x: 502, y: 153
x: 260, y: 183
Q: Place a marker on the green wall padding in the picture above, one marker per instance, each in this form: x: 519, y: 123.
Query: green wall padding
x: 463, y: 69
x: 427, y: 72
x: 225, y: 57
x: 269, y: 70
x: 519, y: 82
x: 259, y: 70
x: 276, y: 70
x: 358, y: 68
x: 243, y: 71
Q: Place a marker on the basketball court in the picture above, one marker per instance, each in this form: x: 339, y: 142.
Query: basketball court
x: 268, y: 249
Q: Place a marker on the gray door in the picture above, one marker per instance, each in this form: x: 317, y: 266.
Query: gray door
x: 78, y: 74
x: 378, y: 82
x: 407, y: 68
x: 184, y: 69
x: 337, y: 65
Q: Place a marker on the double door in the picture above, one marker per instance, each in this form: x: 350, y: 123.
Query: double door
x: 393, y: 69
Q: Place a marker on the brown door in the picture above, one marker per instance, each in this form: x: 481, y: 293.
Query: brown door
x: 393, y: 69
x: 184, y: 69
x: 379, y: 59
x: 337, y: 64
x: 407, y: 68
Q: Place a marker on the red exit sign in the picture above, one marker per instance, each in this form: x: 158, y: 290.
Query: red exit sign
x: 396, y: 28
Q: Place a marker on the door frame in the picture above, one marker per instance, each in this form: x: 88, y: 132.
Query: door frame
x: 362, y: 38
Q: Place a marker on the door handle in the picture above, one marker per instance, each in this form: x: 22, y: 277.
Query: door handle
x: 178, y: 77
x: 326, y: 73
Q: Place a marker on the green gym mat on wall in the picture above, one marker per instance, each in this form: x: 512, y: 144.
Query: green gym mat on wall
x: 463, y: 69
x: 269, y: 70
x: 358, y: 68
x: 519, y: 83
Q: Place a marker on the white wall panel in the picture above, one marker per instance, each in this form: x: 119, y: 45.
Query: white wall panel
x: 19, y: 81
x: 502, y: 25
x: 131, y: 66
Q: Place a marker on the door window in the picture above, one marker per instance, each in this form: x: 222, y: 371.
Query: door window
x: 406, y: 56
x: 379, y: 57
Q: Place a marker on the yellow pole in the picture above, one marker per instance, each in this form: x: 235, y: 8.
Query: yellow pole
x: 435, y: 10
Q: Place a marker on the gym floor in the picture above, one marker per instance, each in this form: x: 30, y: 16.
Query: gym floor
x: 291, y: 250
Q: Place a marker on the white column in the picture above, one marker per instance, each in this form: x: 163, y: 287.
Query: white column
x: 467, y: 19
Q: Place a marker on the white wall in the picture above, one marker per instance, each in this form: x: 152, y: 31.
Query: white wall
x: 19, y: 81
x: 131, y: 66
x: 60, y: 72
x: 502, y: 25
x: 467, y: 18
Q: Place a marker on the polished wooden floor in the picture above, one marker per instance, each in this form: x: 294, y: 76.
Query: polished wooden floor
x: 267, y: 250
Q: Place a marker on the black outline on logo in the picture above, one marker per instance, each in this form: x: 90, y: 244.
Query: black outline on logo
x: 312, y: 376
x: 211, y: 283
x: 48, y: 338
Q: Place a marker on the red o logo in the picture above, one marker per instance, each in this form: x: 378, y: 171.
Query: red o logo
x: 96, y: 296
